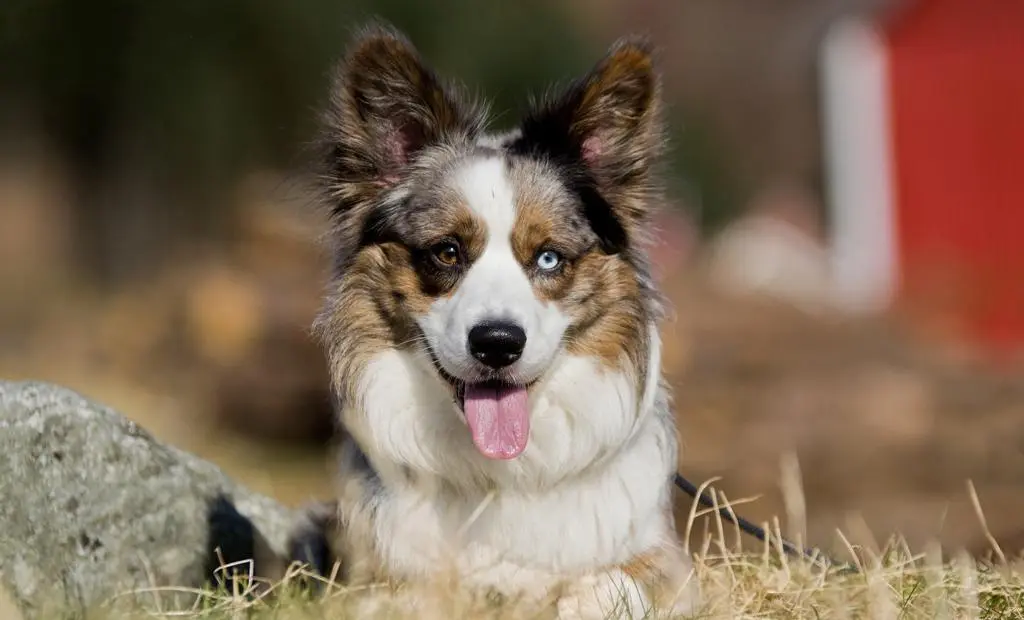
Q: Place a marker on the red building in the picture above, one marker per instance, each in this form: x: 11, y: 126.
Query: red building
x: 924, y: 130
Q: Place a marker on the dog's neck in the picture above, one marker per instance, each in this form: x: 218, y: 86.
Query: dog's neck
x: 605, y: 514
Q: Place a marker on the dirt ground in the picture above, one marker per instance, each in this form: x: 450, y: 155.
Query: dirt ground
x: 213, y: 355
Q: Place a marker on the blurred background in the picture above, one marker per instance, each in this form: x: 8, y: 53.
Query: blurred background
x: 842, y: 245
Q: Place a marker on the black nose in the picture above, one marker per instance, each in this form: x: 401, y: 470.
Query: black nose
x: 497, y: 344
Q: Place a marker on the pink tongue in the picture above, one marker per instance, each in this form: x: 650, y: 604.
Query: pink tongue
x: 499, y: 419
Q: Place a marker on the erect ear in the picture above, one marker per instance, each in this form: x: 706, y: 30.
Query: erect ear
x: 606, y: 128
x: 386, y: 106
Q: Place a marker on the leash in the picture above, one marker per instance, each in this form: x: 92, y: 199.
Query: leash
x: 757, y: 532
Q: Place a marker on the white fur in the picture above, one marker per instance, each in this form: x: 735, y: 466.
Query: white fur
x: 495, y: 288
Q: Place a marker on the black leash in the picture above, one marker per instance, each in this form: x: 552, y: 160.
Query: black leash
x: 814, y: 555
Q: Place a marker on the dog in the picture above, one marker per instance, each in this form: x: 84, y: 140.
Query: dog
x: 492, y: 333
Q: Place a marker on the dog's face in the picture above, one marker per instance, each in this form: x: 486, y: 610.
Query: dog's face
x: 491, y: 256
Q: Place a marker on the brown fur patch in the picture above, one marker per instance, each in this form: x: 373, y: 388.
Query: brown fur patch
x: 534, y: 228
x: 353, y: 325
x: 609, y: 322
x: 641, y: 566
x: 663, y: 573
x: 624, y: 83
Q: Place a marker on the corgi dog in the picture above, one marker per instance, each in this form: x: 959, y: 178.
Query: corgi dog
x: 492, y: 332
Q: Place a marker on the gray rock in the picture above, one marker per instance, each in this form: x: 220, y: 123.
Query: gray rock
x: 93, y: 508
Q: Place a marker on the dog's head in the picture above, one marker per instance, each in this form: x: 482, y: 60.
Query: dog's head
x: 489, y: 256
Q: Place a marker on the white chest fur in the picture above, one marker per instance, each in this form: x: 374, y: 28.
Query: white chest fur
x: 515, y: 539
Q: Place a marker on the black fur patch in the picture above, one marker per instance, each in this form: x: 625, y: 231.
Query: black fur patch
x: 357, y: 463
x: 309, y: 544
x: 231, y: 540
x: 601, y: 217
x: 545, y: 136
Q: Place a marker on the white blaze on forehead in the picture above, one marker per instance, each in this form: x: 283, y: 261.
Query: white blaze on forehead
x: 485, y: 185
x: 496, y: 286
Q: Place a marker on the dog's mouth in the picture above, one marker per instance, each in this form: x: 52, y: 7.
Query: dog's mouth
x: 497, y: 413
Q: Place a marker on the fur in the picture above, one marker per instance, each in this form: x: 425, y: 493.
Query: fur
x: 544, y: 228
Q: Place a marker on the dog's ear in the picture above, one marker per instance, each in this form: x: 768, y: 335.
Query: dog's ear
x: 607, y: 128
x: 386, y: 106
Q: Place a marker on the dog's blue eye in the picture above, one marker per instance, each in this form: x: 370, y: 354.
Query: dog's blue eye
x: 548, y: 260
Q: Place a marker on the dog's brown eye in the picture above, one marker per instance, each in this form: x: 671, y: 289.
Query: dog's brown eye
x: 447, y: 253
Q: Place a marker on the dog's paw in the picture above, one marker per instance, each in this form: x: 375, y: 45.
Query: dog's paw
x: 680, y: 596
x: 613, y: 594
x: 684, y: 603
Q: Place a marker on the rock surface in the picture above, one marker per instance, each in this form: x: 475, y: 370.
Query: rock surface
x: 94, y: 508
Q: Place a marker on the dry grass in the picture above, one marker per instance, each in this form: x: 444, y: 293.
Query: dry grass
x: 892, y: 584
x: 879, y: 582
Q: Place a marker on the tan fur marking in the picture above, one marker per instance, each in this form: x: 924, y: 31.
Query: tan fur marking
x: 641, y: 566
x: 406, y: 294
x: 663, y: 573
x: 626, y: 74
x: 533, y: 228
x: 608, y: 315
x: 471, y: 231
x: 352, y: 327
